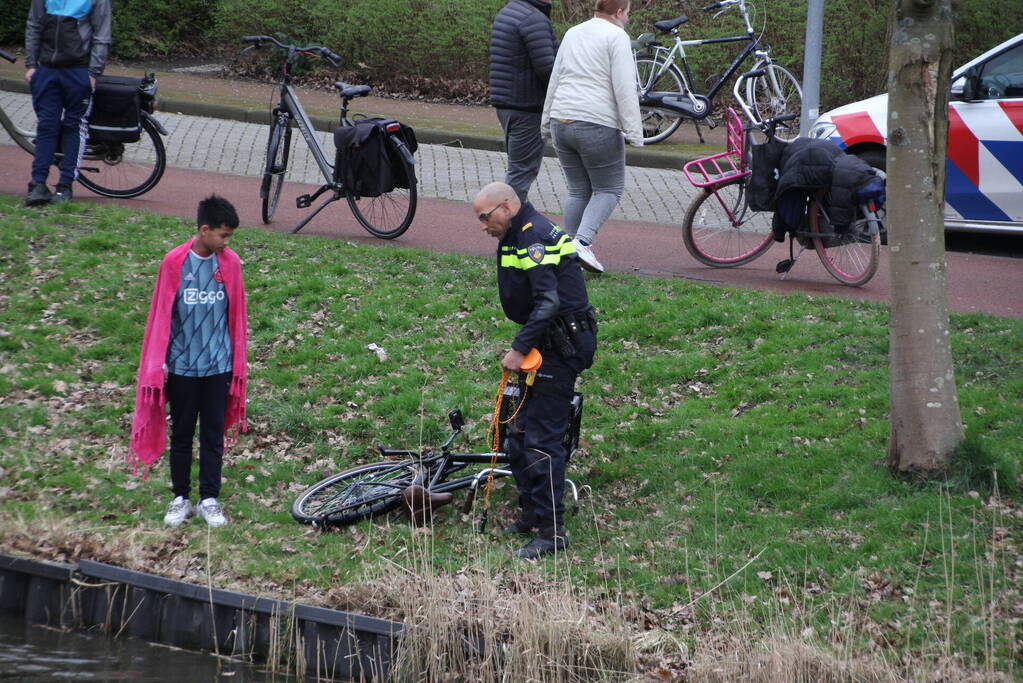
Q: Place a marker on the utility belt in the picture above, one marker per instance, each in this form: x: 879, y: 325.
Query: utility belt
x: 562, y: 336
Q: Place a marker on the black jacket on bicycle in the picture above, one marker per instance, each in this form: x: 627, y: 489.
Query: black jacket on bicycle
x: 806, y: 165
x: 523, y: 46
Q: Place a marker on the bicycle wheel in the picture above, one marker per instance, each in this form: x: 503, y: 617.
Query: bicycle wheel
x: 720, y: 230
x: 277, y: 149
x: 658, y: 124
x: 115, y: 169
x: 852, y: 256
x: 390, y: 214
x: 364, y: 491
x: 775, y: 93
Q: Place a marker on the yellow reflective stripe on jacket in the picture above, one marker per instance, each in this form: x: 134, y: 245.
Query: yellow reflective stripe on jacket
x: 519, y: 258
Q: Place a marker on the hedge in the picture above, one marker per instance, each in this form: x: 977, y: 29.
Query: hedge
x: 445, y: 42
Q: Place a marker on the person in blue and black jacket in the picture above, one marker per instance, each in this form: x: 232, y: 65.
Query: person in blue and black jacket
x: 542, y: 288
x: 66, y: 45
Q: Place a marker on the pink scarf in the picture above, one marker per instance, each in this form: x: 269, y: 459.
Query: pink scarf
x: 149, y: 426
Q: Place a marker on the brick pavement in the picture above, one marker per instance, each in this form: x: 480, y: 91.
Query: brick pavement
x: 445, y: 172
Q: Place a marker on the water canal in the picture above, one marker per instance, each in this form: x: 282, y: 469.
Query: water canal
x: 36, y: 653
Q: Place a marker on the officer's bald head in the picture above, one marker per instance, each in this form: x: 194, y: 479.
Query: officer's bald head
x: 494, y: 206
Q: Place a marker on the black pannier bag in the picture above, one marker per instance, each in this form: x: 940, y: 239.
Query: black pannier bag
x: 115, y: 113
x: 366, y: 165
x: 763, y: 179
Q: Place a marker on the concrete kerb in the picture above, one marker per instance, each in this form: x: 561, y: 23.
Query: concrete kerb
x: 642, y: 157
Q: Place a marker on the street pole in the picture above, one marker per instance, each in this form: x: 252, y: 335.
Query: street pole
x: 812, y: 66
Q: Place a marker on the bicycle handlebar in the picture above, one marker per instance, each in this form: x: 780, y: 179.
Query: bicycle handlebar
x: 719, y: 5
x: 325, y: 52
x: 9, y: 57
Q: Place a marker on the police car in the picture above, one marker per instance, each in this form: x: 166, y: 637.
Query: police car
x: 984, y: 189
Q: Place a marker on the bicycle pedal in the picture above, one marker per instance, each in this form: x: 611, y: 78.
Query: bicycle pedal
x: 304, y: 202
x: 784, y: 266
x: 710, y: 123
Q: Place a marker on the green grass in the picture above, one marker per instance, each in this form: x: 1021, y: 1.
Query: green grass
x: 720, y: 425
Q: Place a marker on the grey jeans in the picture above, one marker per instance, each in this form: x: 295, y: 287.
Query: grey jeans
x: 524, y: 145
x: 593, y: 159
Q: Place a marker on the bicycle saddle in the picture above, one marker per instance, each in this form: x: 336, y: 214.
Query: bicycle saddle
x: 351, y: 91
x: 419, y: 504
x: 668, y: 24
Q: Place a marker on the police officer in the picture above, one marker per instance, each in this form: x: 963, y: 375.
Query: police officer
x: 542, y: 288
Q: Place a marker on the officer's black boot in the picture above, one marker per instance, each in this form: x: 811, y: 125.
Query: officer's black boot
x: 525, y: 525
x: 547, y: 542
x: 522, y: 526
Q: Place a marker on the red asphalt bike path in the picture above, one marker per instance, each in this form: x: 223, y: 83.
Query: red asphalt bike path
x: 976, y: 283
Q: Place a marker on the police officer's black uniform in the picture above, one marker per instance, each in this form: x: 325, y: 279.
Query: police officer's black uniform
x: 542, y: 288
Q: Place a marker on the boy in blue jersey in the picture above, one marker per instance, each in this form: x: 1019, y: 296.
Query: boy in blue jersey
x: 66, y: 44
x: 194, y: 358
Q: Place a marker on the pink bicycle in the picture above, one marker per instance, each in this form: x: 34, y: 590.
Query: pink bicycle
x: 723, y: 231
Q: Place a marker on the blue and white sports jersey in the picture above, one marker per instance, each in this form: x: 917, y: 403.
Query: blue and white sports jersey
x: 200, y: 343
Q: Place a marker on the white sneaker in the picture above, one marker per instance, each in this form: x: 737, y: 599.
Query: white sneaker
x: 210, y: 510
x: 586, y: 258
x: 178, y: 511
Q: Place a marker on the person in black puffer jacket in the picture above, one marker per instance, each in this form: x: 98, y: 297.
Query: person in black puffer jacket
x: 523, y: 46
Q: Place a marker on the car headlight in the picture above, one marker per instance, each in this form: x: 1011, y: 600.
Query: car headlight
x: 822, y: 130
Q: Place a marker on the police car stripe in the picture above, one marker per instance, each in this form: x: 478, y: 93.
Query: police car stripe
x: 1013, y: 112
x: 857, y: 128
x: 963, y: 196
x: 962, y: 147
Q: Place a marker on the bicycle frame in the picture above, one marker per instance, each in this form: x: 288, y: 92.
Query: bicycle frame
x: 290, y: 103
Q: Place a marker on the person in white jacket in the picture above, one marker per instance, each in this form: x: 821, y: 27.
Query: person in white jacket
x: 590, y: 112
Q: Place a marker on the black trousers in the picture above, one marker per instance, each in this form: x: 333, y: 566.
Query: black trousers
x: 202, y: 399
x: 535, y: 445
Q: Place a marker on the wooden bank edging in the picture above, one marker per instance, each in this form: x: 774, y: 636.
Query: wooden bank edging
x: 319, y: 642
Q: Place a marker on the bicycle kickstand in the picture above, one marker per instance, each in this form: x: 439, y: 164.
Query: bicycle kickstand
x: 783, y: 267
x: 305, y: 201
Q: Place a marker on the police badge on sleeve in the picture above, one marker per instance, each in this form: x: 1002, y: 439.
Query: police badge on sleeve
x: 536, y: 252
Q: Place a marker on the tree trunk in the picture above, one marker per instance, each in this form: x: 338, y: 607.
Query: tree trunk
x: 926, y: 424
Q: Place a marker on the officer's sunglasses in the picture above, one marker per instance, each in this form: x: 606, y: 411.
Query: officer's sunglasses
x: 484, y: 217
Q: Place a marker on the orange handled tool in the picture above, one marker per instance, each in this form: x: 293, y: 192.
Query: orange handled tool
x: 530, y: 364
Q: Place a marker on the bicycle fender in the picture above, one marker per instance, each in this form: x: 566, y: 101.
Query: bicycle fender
x: 156, y: 124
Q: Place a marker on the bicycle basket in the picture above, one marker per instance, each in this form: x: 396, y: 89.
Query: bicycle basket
x: 724, y: 166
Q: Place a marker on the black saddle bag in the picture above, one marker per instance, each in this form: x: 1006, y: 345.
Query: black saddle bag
x: 366, y: 163
x: 115, y: 113
x: 763, y: 179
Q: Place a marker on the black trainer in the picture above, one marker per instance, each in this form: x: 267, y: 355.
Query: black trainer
x: 62, y: 194
x: 543, y: 544
x: 519, y: 526
x: 38, y: 194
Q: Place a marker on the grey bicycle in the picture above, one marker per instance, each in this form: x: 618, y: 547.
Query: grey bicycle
x: 113, y: 169
x: 386, y: 215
